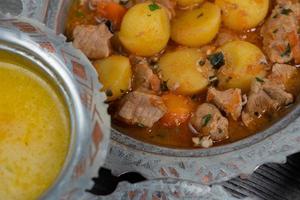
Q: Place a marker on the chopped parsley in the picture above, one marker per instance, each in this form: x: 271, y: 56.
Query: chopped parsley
x: 286, y: 11
x: 259, y: 80
x: 79, y: 14
x: 164, y: 86
x: 287, y: 51
x: 206, y: 119
x: 154, y: 6
x: 217, y: 60
x: 109, y: 93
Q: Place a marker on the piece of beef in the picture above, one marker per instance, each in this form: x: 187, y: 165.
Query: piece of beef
x: 277, y: 92
x: 265, y: 96
x: 230, y: 101
x: 281, y: 41
x: 141, y: 108
x: 208, y: 121
x: 281, y: 73
x: 93, y: 40
x: 294, y: 4
x: 144, y: 79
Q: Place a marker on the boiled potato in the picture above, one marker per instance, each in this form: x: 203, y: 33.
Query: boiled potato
x: 243, y: 63
x: 196, y: 27
x: 145, y: 29
x: 182, y: 71
x: 243, y: 14
x: 186, y: 3
x: 115, y: 75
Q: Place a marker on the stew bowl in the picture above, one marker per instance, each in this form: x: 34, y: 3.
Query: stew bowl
x: 205, y: 166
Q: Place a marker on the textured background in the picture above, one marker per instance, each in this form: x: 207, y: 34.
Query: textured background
x: 270, y: 182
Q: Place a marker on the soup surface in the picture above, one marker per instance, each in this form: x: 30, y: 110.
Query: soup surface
x: 34, y: 131
x: 192, y: 73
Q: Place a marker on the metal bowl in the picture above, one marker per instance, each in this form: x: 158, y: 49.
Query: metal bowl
x: 206, y: 166
x: 76, y: 80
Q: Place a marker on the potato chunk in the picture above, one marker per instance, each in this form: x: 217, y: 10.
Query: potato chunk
x: 243, y: 63
x: 115, y: 74
x: 187, y: 3
x: 243, y: 14
x: 196, y: 27
x: 145, y: 29
x: 185, y: 70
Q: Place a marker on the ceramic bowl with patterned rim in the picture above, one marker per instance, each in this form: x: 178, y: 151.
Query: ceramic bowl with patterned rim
x: 77, y: 81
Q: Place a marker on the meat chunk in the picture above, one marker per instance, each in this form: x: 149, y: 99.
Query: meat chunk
x: 280, y: 38
x: 93, y: 41
x: 281, y: 73
x: 277, y: 93
x: 141, y: 108
x: 144, y: 78
x: 208, y: 121
x: 294, y: 4
x: 230, y: 101
x: 224, y: 36
x: 265, y: 96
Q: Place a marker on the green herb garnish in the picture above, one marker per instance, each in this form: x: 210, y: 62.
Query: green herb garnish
x: 285, y: 11
x: 287, y: 51
x: 109, y: 93
x: 259, y: 79
x: 164, y: 86
x: 79, y: 14
x: 206, y: 119
x: 217, y: 60
x: 154, y: 6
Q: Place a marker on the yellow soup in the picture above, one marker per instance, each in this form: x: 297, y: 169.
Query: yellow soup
x: 34, y: 133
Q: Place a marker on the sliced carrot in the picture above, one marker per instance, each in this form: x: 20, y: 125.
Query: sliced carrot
x: 179, y: 109
x: 111, y: 11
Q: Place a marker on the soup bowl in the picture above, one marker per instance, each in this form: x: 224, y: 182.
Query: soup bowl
x: 205, y: 166
x: 70, y: 72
